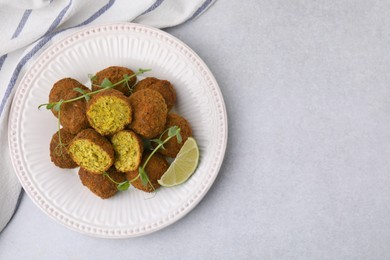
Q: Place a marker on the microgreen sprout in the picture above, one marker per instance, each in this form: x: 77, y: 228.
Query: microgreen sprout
x: 173, y: 131
x: 84, y: 93
x: 92, y: 78
x: 106, y: 84
x: 60, y: 146
x: 121, y: 186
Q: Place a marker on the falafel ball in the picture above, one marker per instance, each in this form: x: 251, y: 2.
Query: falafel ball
x: 172, y: 147
x: 115, y: 74
x: 59, y: 154
x: 155, y: 168
x: 149, y: 113
x: 164, y: 87
x: 61, y: 90
x: 145, y: 83
x: 128, y: 148
x: 109, y: 111
x: 73, y: 114
x: 92, y: 151
x: 100, y: 184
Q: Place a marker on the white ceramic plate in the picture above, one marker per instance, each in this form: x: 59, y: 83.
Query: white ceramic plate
x: 58, y: 192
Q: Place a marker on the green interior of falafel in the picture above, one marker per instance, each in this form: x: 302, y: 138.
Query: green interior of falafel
x: 127, y: 151
x: 90, y: 156
x: 109, y: 115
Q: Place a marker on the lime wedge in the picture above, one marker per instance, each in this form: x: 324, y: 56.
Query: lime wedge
x: 183, y: 166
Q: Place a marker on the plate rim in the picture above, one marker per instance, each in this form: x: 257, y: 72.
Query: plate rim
x: 16, y: 108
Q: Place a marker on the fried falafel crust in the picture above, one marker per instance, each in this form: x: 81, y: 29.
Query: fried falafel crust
x: 164, y: 87
x: 115, y: 74
x: 73, y: 114
x: 99, y: 184
x: 92, y: 139
x: 155, y: 168
x: 63, y: 89
x: 172, y: 147
x: 60, y: 156
x: 145, y: 83
x: 149, y: 113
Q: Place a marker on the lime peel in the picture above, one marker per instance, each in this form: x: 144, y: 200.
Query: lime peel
x: 183, y: 166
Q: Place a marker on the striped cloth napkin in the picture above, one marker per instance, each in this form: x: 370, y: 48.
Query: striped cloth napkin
x: 27, y: 27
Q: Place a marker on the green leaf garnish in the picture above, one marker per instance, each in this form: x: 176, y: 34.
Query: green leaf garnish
x: 50, y: 106
x: 173, y: 131
x: 80, y: 90
x: 144, y: 177
x: 158, y: 141
x: 126, y: 77
x: 57, y: 105
x: 142, y: 174
x: 178, y: 137
x: 46, y: 105
x: 106, y: 83
x: 60, y: 144
x: 123, y: 186
x: 143, y: 70
x: 92, y: 77
x: 83, y: 92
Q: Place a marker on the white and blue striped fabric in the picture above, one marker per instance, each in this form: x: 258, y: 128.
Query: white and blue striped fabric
x: 27, y: 27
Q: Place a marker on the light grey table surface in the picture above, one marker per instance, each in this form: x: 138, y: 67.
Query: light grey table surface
x: 306, y: 171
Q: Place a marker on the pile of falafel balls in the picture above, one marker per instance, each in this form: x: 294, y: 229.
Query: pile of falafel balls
x: 106, y: 132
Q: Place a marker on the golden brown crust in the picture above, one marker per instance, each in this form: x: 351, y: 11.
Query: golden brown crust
x: 92, y: 136
x: 100, y: 184
x: 58, y: 156
x: 149, y: 113
x: 115, y: 74
x: 155, y: 168
x: 112, y: 93
x: 144, y: 83
x: 139, y: 146
x: 164, y: 87
x: 63, y: 89
x: 172, y: 147
x: 73, y: 115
